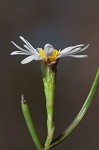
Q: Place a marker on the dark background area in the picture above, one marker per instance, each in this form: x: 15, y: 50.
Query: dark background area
x: 61, y: 23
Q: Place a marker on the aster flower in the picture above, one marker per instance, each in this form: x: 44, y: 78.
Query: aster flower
x: 48, y: 55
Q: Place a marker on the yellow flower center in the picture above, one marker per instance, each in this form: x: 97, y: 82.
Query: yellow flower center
x: 51, y: 58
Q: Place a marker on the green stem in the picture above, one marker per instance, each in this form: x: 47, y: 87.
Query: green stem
x: 80, y: 115
x: 49, y: 88
x: 30, y: 124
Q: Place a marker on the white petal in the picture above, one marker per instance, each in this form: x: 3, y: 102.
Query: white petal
x: 27, y: 60
x: 31, y: 52
x: 31, y: 48
x: 84, y: 48
x: 68, y: 49
x: 19, y: 53
x: 80, y: 45
x: 26, y: 42
x: 26, y: 47
x: 69, y: 55
x: 18, y: 47
x: 74, y: 50
x: 48, y: 49
x: 78, y: 56
x: 30, y: 58
x: 78, y: 50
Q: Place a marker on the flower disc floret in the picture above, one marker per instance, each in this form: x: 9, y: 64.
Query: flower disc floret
x: 51, y: 58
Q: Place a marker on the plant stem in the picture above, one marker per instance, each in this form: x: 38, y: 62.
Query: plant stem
x: 49, y: 88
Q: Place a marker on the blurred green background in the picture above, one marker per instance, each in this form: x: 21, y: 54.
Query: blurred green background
x: 61, y: 23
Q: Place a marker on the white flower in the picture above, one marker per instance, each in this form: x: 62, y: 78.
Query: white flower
x: 49, y: 55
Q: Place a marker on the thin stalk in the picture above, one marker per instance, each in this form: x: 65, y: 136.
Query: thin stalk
x: 49, y: 89
x: 80, y: 115
x: 30, y: 124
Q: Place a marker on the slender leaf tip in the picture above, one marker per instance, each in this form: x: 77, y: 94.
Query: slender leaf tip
x: 23, y: 101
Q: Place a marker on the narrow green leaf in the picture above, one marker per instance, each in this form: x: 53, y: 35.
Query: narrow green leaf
x: 30, y: 124
x: 80, y: 115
